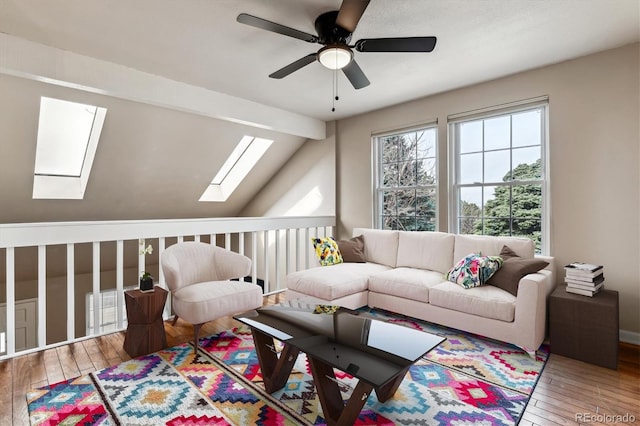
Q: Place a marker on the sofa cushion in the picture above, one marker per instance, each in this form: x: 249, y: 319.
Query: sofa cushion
x: 474, y: 270
x: 425, y: 250
x: 352, y: 250
x: 491, y: 246
x: 486, y: 301
x: 196, y: 302
x: 380, y: 246
x: 335, y: 281
x: 513, y: 269
x: 327, y: 251
x: 408, y: 283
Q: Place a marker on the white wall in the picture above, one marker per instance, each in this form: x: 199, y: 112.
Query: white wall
x: 594, y: 151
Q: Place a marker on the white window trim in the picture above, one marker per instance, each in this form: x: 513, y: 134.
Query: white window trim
x: 237, y: 166
x: 377, y: 172
x: 485, y: 113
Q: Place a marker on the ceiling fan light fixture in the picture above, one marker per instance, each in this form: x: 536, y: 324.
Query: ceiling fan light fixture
x: 335, y: 56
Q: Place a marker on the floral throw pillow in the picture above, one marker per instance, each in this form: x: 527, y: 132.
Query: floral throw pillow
x: 327, y: 251
x: 474, y: 270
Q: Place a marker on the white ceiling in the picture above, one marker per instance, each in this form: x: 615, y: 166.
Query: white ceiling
x: 199, y: 42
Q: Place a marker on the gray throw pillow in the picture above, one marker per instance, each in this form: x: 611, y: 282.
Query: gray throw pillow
x: 513, y: 269
x: 352, y: 250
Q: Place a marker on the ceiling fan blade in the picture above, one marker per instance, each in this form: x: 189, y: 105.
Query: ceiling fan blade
x: 263, y: 24
x: 294, y: 66
x: 400, y: 44
x: 355, y: 75
x: 350, y: 13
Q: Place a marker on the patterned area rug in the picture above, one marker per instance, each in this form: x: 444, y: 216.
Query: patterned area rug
x: 465, y: 381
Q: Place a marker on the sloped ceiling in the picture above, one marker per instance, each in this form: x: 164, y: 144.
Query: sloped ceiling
x: 162, y: 143
x: 151, y: 162
x: 199, y: 42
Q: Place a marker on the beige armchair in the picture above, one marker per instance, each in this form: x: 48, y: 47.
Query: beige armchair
x: 199, y: 278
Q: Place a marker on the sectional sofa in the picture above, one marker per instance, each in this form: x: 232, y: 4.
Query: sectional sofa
x: 405, y: 272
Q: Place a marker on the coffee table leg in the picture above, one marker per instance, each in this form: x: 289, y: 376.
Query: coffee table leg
x: 275, y: 370
x: 334, y: 409
x: 387, y: 391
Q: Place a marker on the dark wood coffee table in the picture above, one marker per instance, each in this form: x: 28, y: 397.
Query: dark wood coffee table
x: 376, y: 352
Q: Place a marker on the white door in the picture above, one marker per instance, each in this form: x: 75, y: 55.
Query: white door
x: 26, y: 322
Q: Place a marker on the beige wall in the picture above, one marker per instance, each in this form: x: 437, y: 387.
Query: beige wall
x: 305, y: 186
x: 594, y: 153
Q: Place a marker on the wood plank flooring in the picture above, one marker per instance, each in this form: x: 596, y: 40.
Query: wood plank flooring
x: 569, y: 392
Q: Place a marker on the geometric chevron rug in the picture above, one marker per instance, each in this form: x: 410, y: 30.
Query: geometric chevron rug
x: 467, y: 380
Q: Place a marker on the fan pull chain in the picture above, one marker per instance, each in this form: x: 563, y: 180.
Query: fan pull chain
x: 335, y: 90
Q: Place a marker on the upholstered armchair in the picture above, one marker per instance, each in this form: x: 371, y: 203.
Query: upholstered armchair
x: 199, y: 278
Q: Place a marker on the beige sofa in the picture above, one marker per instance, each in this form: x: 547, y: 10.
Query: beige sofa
x: 405, y: 272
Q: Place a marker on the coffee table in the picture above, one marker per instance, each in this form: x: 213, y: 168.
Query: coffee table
x: 376, y: 352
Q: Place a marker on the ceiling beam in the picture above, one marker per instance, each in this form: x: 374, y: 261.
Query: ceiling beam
x: 26, y: 59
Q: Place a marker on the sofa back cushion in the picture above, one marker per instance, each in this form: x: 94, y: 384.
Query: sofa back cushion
x: 491, y: 246
x: 425, y: 250
x: 380, y: 246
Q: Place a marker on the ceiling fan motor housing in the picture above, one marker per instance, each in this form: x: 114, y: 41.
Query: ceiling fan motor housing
x: 329, y: 32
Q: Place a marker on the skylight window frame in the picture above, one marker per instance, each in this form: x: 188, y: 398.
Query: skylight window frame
x: 236, y: 155
x: 237, y: 166
x: 59, y: 186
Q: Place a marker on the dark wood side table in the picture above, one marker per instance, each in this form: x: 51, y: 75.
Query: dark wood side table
x: 145, y: 329
x: 585, y: 328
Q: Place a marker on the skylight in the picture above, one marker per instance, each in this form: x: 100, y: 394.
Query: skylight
x: 243, y: 158
x: 68, y: 135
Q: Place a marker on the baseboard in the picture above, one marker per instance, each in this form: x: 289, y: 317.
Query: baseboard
x: 630, y: 337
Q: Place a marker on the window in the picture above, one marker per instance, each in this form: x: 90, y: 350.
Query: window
x: 68, y: 135
x: 107, y: 310
x: 500, y: 173
x: 406, y: 183
x: 245, y: 155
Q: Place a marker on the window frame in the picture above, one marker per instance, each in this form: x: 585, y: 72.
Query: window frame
x: 377, y: 168
x: 509, y: 110
x: 66, y: 186
x: 110, y: 326
x: 244, y: 157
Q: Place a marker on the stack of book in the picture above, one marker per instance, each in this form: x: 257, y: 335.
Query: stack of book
x: 585, y: 279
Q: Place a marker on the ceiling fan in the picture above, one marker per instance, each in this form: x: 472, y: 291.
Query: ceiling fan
x: 334, y: 30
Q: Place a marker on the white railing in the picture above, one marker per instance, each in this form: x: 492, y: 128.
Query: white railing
x: 277, y: 246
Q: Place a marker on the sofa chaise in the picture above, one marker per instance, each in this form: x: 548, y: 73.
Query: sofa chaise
x: 405, y: 272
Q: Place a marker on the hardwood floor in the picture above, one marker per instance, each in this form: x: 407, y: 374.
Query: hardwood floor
x: 569, y: 392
